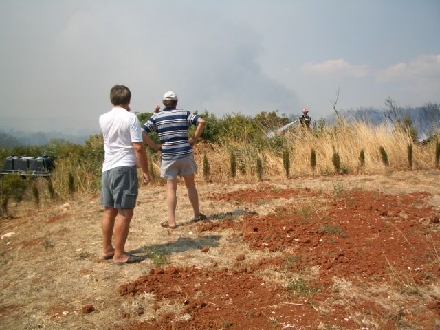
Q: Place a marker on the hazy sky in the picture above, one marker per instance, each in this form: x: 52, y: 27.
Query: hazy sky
x: 59, y: 59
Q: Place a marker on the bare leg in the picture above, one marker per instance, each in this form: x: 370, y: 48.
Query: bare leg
x: 107, y: 224
x: 172, y: 200
x: 193, y: 195
x: 122, y: 227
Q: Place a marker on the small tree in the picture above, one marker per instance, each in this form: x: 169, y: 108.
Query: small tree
x: 362, y: 158
x: 410, y: 156
x: 336, y: 160
x: 71, y: 184
x: 384, y: 156
x: 233, y: 163
x: 286, y: 162
x: 259, y: 169
x: 206, y: 168
x: 313, y: 159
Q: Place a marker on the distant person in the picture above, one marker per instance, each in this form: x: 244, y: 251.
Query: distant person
x: 177, y: 158
x: 305, y: 119
x: 123, y: 151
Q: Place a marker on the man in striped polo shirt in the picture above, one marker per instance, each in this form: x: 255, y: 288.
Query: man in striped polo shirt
x: 172, y: 125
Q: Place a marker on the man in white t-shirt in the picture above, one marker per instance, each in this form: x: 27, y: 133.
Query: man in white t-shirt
x: 124, y: 151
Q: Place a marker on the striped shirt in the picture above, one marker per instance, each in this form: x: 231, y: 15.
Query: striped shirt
x: 172, y: 127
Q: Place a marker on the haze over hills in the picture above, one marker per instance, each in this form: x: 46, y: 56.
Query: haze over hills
x: 426, y: 120
x: 39, y: 131
x: 38, y: 138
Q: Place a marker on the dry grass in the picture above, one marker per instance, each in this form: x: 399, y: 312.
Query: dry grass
x: 347, y: 140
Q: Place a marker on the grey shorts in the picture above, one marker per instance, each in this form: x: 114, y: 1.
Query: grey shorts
x: 119, y: 187
x: 170, y: 169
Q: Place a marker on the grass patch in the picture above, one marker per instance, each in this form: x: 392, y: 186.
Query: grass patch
x: 331, y: 230
x: 159, y: 257
x: 300, y: 287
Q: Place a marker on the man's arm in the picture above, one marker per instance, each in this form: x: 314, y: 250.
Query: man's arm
x: 142, y: 161
x: 149, y: 141
x: 201, y: 123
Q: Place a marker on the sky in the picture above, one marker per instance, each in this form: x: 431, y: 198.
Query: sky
x: 59, y: 59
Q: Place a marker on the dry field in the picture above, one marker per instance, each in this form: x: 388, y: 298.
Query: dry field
x: 336, y: 252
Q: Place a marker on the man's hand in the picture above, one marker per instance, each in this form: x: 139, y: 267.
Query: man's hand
x: 192, y: 141
x: 145, y: 178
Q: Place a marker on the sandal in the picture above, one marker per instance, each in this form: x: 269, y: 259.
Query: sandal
x: 165, y: 224
x: 131, y: 260
x: 199, y: 218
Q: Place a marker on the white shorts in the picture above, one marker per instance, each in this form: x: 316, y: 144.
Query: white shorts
x: 170, y: 169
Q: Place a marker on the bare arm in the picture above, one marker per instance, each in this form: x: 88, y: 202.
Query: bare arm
x: 201, y: 123
x: 147, y: 140
x: 141, y: 157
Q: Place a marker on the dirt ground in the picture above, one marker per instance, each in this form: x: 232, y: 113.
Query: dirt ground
x: 340, y: 252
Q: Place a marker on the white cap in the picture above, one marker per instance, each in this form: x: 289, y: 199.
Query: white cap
x: 170, y: 95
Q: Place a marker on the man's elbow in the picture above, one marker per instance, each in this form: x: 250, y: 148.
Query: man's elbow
x: 138, y: 147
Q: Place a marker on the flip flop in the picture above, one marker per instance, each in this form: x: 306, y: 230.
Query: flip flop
x: 199, y: 218
x: 107, y: 257
x: 131, y: 260
x: 165, y: 224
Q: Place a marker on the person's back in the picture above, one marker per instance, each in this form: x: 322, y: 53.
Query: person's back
x: 118, y: 126
x: 172, y: 125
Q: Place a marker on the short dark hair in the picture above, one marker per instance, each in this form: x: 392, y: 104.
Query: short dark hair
x: 119, y: 95
x: 169, y: 103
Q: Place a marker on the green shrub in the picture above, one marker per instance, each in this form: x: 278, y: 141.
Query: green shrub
x: 313, y: 159
x: 336, y: 160
x: 384, y: 155
x: 12, y: 186
x: 259, y: 169
x: 213, y: 127
x: 71, y: 184
x: 286, y: 162
x: 206, y: 169
x: 233, y: 164
x: 362, y: 158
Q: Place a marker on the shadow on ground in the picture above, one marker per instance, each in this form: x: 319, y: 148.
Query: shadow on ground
x: 182, y: 244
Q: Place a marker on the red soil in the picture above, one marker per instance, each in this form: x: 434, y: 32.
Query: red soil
x: 360, y: 239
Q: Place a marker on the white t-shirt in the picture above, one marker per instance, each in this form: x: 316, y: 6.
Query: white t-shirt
x: 120, y: 128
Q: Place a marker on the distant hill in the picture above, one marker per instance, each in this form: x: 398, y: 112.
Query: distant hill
x: 8, y: 141
x: 18, y: 138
